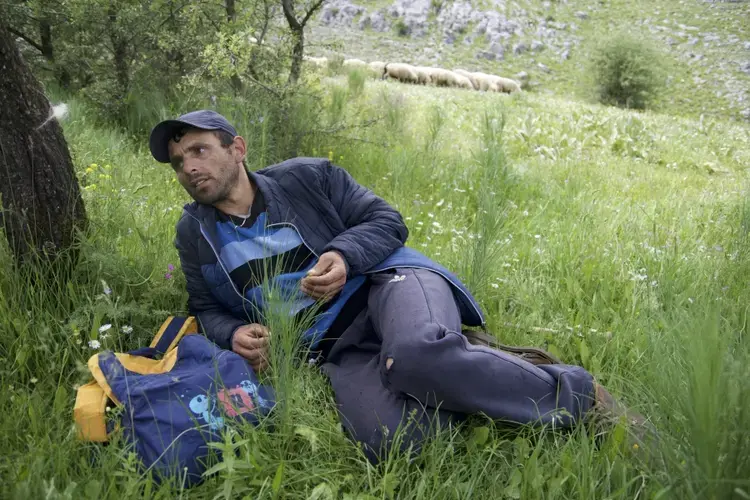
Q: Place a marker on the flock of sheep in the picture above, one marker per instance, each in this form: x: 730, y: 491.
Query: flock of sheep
x: 424, y: 75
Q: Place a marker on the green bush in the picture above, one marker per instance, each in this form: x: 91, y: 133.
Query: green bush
x: 627, y: 72
x: 356, y: 79
x: 401, y: 28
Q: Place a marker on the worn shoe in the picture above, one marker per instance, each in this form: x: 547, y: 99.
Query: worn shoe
x: 607, y: 412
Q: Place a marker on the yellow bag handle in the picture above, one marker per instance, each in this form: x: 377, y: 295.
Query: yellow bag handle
x: 92, y: 398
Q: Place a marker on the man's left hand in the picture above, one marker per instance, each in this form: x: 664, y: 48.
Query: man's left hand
x: 327, y: 278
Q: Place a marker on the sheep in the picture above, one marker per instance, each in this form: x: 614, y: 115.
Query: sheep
x: 401, y: 72
x: 498, y: 83
x: 461, y: 81
x: 354, y: 63
x: 444, y: 78
x: 318, y: 62
x: 484, y: 82
x: 474, y: 83
x: 378, y: 68
x: 507, y: 85
x: 437, y: 76
x: 423, y: 75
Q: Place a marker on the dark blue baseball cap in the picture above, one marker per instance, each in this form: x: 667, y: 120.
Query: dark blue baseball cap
x: 203, y: 119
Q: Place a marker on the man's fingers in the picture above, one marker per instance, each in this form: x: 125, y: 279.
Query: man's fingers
x: 248, y: 342
x: 322, y: 291
x: 258, y: 330
x: 325, y: 279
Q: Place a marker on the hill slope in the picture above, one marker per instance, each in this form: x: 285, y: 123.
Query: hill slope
x: 709, y: 42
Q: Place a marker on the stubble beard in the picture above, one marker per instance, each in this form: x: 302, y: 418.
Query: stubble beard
x: 226, y: 179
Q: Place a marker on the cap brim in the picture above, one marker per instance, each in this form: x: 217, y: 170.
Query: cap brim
x: 161, y: 135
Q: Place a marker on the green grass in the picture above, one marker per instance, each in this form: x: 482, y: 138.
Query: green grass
x: 617, y: 240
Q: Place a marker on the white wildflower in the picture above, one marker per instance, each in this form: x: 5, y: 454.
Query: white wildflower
x: 537, y: 236
x: 440, y: 203
x: 127, y: 329
x: 60, y: 111
x: 104, y: 328
x: 34, y: 380
x: 525, y: 213
x: 94, y: 344
x: 495, y: 285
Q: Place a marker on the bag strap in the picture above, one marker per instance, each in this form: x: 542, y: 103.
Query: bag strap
x: 171, y: 331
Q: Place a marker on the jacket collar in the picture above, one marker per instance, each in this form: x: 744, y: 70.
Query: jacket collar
x: 278, y: 207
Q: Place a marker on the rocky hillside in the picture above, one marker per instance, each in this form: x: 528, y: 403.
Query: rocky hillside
x: 709, y: 42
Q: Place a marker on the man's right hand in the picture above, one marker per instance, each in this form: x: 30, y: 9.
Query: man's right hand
x: 251, y: 342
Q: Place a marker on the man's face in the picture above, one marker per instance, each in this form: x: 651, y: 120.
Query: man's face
x: 207, y: 170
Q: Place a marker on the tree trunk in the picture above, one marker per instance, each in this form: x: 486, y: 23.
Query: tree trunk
x: 297, y: 52
x: 41, y: 202
x: 231, y: 10
x: 120, y: 53
x: 297, y: 27
x: 48, y: 51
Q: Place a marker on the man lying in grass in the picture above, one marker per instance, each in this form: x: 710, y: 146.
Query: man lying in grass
x: 393, y: 318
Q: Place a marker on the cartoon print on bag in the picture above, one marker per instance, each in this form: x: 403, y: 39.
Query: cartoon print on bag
x: 252, y: 391
x: 204, y: 406
x: 236, y: 401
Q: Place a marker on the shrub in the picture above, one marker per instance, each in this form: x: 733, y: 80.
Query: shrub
x: 402, y: 29
x: 356, y: 79
x: 627, y: 72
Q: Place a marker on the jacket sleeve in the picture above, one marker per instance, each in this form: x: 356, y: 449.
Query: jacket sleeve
x: 217, y: 322
x: 374, y: 228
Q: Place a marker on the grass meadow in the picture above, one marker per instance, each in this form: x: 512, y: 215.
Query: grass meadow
x: 617, y: 240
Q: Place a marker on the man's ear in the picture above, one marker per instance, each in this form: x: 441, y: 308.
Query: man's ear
x: 240, y: 149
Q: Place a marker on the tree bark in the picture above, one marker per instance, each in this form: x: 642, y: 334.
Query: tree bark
x: 41, y: 201
x: 297, y: 27
x: 231, y: 10
x: 119, y: 51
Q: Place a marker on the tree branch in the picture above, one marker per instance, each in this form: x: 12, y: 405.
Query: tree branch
x: 26, y: 39
x: 289, y: 14
x: 312, y: 11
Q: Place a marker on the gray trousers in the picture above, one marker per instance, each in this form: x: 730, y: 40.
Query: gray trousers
x: 403, y: 368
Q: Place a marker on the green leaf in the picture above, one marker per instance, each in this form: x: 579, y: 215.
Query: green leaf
x: 309, y: 434
x: 554, y: 350
x: 390, y: 483
x: 321, y: 492
x: 61, y: 399
x: 513, y: 490
x: 93, y: 489
x: 480, y: 435
x: 585, y: 353
x: 276, y: 485
x: 216, y: 468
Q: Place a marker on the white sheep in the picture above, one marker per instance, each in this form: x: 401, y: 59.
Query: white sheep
x: 318, y: 62
x: 474, y: 83
x: 507, y: 85
x: 354, y: 63
x: 484, y: 82
x: 444, y: 78
x: 423, y: 75
x: 401, y: 72
x: 378, y: 68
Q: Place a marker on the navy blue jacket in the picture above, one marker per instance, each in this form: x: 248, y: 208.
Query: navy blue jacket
x: 330, y: 211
